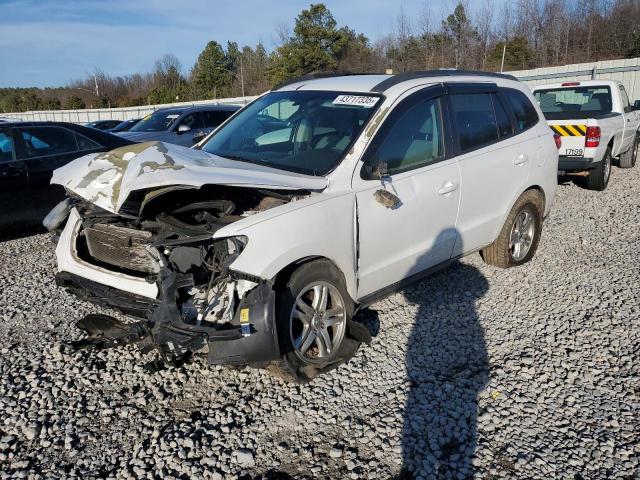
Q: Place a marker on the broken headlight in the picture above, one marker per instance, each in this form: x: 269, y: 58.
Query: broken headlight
x: 58, y: 214
x: 236, y: 244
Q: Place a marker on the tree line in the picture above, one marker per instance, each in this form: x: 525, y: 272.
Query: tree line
x: 530, y: 33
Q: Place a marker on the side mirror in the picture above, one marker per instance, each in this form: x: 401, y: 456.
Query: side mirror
x: 376, y: 171
x: 183, y: 129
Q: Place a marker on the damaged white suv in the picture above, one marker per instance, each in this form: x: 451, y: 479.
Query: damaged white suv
x: 260, y: 244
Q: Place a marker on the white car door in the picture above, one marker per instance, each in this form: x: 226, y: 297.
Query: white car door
x: 495, y: 158
x: 407, y: 195
x: 630, y: 120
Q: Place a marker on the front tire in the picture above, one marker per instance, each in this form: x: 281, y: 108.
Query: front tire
x: 598, y: 178
x: 518, y: 240
x: 313, y: 312
x: 628, y: 158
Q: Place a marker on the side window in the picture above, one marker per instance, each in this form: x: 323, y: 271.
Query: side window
x: 525, y: 112
x: 43, y: 141
x: 505, y: 129
x: 193, y: 120
x: 475, y: 120
x: 214, y: 118
x: 625, y: 99
x: 85, y: 143
x: 280, y: 110
x: 413, y: 140
x: 6, y: 146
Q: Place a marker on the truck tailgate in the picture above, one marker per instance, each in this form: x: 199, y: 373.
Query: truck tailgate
x: 573, y: 136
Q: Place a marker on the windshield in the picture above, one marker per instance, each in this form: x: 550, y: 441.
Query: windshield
x: 579, y: 101
x: 123, y: 126
x: 300, y: 131
x: 156, y: 122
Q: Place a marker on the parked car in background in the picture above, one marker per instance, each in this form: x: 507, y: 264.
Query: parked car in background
x: 103, y: 124
x: 29, y: 153
x: 596, y: 123
x: 184, y: 126
x: 124, y: 126
x: 316, y: 199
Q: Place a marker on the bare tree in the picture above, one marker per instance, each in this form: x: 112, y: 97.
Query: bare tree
x: 485, y: 29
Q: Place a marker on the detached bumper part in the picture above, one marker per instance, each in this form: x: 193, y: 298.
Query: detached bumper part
x: 256, y: 312
x: 249, y: 339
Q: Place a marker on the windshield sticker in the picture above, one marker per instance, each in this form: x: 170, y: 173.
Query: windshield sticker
x: 356, y: 100
x: 146, y: 118
x: 173, y: 115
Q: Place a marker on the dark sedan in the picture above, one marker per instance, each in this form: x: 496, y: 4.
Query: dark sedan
x: 103, y: 124
x: 29, y: 153
x: 124, y: 126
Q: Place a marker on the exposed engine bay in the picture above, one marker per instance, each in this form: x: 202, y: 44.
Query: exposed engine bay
x: 165, y: 237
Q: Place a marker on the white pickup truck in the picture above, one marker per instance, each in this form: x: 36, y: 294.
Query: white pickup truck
x: 594, y: 123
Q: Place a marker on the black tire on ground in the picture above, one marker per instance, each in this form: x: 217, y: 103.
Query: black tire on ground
x: 294, y: 366
x: 598, y: 178
x: 628, y: 158
x: 500, y: 253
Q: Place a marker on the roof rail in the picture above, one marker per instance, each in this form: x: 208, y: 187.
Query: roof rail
x: 316, y: 76
x: 403, y: 77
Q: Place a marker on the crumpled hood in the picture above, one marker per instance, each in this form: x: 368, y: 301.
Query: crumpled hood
x: 107, y: 179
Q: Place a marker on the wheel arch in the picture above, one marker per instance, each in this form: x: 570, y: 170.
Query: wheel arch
x: 285, y: 273
x: 538, y: 189
x: 514, y: 200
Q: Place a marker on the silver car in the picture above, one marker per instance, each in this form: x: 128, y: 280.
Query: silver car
x: 180, y: 125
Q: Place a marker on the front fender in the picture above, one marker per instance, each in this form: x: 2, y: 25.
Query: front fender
x: 320, y: 229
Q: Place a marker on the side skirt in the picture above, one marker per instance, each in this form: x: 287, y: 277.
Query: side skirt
x: 404, y: 283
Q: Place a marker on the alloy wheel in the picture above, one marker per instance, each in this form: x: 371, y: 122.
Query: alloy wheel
x: 522, y: 233
x: 317, y: 322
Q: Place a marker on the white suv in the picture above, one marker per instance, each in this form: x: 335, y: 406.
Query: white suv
x: 260, y: 244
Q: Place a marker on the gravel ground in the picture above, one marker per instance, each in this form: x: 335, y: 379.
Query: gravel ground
x: 477, y: 372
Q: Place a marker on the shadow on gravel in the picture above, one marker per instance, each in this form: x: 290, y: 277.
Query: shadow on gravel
x: 16, y: 233
x: 447, y: 367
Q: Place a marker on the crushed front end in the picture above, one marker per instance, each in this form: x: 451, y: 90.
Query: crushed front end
x: 157, y: 260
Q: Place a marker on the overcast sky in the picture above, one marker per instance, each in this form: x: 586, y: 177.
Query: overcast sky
x: 50, y: 42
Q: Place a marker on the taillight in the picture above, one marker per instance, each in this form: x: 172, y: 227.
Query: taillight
x: 558, y: 139
x: 593, y: 137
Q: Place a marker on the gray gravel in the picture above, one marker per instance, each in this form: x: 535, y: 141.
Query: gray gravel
x: 477, y: 372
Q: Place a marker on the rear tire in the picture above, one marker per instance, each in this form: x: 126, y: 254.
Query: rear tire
x: 598, y: 178
x: 524, y: 222
x: 628, y: 158
x: 313, y: 313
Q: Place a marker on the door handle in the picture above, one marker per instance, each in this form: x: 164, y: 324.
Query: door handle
x: 520, y: 159
x: 447, y: 188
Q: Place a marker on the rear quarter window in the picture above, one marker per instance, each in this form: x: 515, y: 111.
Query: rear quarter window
x: 524, y: 111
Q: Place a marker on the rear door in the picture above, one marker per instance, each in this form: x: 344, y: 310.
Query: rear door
x: 13, y: 183
x: 43, y: 149
x: 495, y: 157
